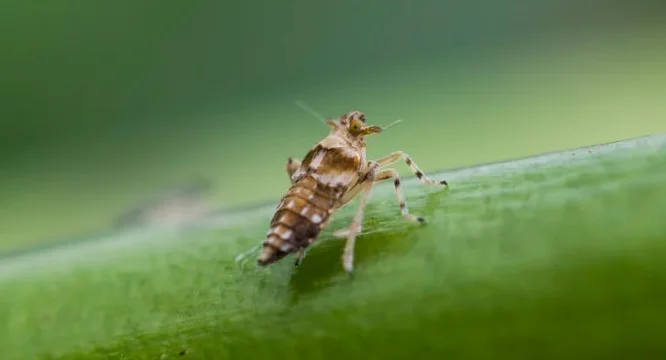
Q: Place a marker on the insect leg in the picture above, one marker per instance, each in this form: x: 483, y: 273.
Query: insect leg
x: 397, y: 155
x: 344, y: 232
x: 241, y: 258
x: 301, y: 256
x: 292, y: 165
x: 348, y: 255
x: 392, y: 173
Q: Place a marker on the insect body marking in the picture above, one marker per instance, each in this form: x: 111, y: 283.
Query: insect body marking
x: 332, y: 173
x: 325, y: 174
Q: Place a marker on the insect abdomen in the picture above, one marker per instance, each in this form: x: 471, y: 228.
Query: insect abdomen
x: 297, y: 221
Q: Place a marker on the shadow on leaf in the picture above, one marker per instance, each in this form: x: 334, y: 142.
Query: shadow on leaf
x: 385, y: 233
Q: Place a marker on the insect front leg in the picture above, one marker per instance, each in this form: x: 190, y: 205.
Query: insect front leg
x: 291, y: 166
x: 397, y: 155
x: 352, y: 231
x: 392, y: 173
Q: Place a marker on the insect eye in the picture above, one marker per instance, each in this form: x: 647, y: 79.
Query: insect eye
x: 356, y: 126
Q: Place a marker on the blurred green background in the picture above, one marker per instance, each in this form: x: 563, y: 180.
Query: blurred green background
x: 106, y: 102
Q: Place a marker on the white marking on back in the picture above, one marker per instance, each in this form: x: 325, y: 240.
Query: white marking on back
x: 316, y: 218
x: 316, y: 161
x: 305, y: 211
x: 285, y: 247
x: 350, y: 153
x: 344, y: 178
x: 285, y: 235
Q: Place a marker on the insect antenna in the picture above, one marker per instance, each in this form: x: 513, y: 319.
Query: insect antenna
x: 391, y: 124
x: 312, y: 112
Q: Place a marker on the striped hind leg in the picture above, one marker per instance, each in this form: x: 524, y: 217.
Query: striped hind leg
x: 397, y: 155
x: 384, y: 175
x: 392, y: 173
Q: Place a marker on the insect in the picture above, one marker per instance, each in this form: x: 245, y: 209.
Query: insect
x: 331, y: 174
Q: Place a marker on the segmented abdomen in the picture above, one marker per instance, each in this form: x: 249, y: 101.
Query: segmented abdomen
x: 298, y: 219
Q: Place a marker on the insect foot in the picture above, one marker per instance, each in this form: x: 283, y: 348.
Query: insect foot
x: 241, y: 258
x: 347, y: 263
x: 299, y: 259
x: 344, y: 232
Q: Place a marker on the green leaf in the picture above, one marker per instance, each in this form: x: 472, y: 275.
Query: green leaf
x: 556, y: 256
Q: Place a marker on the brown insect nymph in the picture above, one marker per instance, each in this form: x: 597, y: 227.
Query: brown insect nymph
x: 332, y: 173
